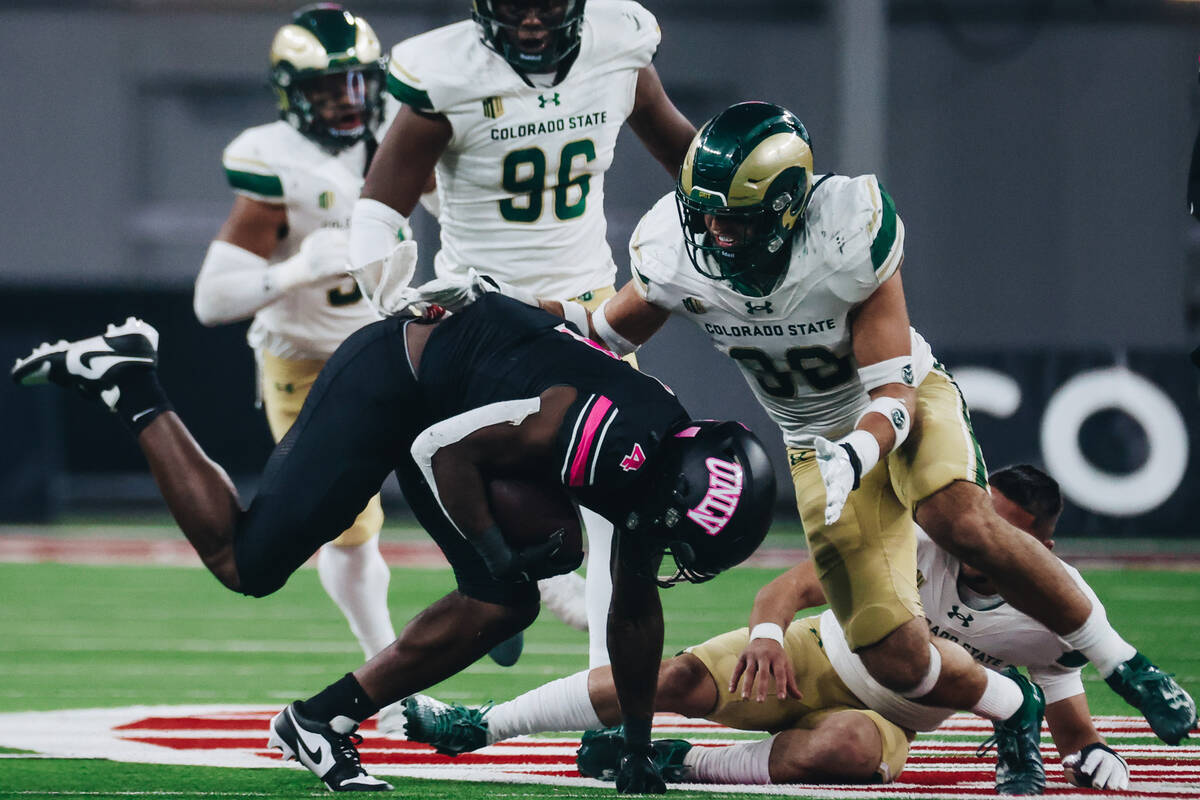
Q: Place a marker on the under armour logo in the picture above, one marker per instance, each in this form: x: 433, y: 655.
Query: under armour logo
x: 965, y: 619
x: 754, y: 308
x: 544, y: 101
x: 634, y: 460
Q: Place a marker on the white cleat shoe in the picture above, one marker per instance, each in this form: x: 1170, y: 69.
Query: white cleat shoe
x: 329, y: 754
x: 92, y: 365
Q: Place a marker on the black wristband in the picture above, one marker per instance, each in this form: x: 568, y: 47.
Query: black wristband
x: 855, y: 464
x: 494, y: 550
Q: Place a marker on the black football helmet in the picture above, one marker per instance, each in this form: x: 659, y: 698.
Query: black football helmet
x: 326, y: 55
x: 751, y: 164
x: 498, y: 21
x: 710, y: 499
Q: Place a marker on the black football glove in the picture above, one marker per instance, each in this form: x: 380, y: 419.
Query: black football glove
x: 528, y: 563
x: 638, y: 774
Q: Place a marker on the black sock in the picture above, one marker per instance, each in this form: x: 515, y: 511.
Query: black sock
x: 142, y: 399
x: 344, y: 698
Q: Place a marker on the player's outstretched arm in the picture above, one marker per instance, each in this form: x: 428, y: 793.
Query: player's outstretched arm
x: 883, y: 349
x: 1088, y: 761
x: 764, y: 658
x: 622, y: 323
x: 663, y: 129
x: 402, y: 169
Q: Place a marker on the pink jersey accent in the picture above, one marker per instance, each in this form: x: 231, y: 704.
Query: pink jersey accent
x: 587, y: 438
x: 585, y: 340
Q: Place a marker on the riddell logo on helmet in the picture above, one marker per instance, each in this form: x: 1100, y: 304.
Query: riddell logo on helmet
x: 724, y: 491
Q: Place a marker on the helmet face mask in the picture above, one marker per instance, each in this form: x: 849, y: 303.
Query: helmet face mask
x: 711, y: 499
x: 529, y: 45
x: 327, y: 71
x: 742, y: 191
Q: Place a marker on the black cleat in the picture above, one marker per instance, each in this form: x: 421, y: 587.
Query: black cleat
x: 1169, y: 709
x: 599, y: 755
x: 1019, y: 768
x: 329, y: 754
x: 93, y: 365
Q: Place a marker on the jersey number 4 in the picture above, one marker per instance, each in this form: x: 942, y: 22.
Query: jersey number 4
x: 525, y: 176
x: 820, y: 368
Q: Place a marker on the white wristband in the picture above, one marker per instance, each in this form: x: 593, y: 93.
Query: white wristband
x: 865, y: 446
x: 767, y: 630
x: 577, y: 315
x: 609, y: 337
x: 895, y: 412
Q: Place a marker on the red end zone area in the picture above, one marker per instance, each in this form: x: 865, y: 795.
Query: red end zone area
x: 941, y: 765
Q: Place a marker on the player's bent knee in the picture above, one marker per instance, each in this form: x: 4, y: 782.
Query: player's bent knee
x: 685, y: 686
x: 845, y: 748
x: 901, y: 660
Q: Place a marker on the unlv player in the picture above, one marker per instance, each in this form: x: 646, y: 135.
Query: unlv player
x: 501, y: 388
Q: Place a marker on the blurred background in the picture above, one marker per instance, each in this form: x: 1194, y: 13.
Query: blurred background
x: 1037, y: 151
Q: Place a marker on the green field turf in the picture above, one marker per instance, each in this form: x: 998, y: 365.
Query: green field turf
x: 77, y: 637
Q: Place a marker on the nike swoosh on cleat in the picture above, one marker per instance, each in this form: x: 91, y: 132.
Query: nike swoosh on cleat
x: 95, y: 363
x: 320, y: 759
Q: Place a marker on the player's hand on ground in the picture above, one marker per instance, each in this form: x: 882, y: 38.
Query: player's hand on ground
x: 837, y: 473
x: 764, y: 661
x: 638, y: 774
x: 1097, y: 766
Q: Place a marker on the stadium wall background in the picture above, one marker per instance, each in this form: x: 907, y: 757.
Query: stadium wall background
x: 1037, y: 152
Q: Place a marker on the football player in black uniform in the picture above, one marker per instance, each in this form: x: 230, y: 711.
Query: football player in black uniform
x: 499, y: 389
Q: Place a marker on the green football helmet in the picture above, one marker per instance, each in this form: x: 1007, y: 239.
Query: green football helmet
x: 327, y: 70
x: 749, y: 167
x: 499, y: 21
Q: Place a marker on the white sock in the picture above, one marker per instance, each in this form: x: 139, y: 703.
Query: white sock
x: 599, y: 585
x: 561, y: 705
x: 356, y: 577
x: 738, y: 763
x: 1001, y: 697
x: 1102, y: 645
x: 566, y: 597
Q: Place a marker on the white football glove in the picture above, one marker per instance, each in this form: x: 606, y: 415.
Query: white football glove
x: 838, y: 475
x: 385, y: 283
x: 1097, y: 766
x: 485, y: 284
x: 323, y: 255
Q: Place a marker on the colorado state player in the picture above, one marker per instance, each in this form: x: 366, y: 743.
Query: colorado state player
x: 281, y: 256
x: 831, y: 722
x: 519, y: 111
x: 797, y: 279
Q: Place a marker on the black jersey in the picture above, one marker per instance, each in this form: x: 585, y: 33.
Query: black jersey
x: 499, y: 349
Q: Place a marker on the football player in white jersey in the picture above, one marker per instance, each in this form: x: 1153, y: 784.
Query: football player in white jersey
x: 831, y: 722
x: 281, y: 256
x: 518, y: 111
x: 797, y: 279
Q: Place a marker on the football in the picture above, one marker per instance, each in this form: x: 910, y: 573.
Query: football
x: 528, y: 512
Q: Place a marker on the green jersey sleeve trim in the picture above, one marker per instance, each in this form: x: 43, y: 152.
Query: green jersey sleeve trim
x: 255, y: 183
x: 885, y: 236
x: 409, y: 95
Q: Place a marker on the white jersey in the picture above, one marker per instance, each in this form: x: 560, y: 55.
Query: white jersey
x: 793, y: 345
x: 521, y: 183
x: 275, y: 163
x: 997, y: 637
